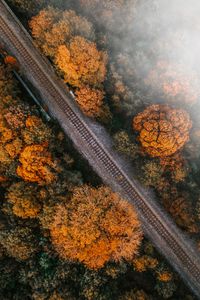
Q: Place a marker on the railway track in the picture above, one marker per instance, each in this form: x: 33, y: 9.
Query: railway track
x: 168, y: 239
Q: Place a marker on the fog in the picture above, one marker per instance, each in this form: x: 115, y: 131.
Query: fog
x: 165, y: 32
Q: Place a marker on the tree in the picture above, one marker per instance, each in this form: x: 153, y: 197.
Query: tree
x: 152, y: 174
x: 109, y: 13
x: 171, y: 81
x: 96, y: 226
x: 162, y: 130
x: 36, y: 131
x: 90, y: 101
x: 52, y: 28
x: 68, y: 40
x: 27, y: 6
x: 182, y: 211
x: 36, y: 165
x: 135, y: 295
x: 124, y: 145
x: 81, y: 63
x: 24, y: 200
x: 8, y: 87
x: 142, y: 263
x: 176, y: 165
x: 18, y: 242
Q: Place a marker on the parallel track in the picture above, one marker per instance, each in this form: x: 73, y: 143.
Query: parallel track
x: 159, y: 228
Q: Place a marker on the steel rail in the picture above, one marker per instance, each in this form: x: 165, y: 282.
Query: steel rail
x: 169, y: 240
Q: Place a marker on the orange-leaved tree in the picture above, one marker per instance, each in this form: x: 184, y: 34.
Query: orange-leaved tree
x: 52, y: 28
x: 24, y: 200
x: 81, y: 62
x: 90, y: 101
x: 36, y: 165
x: 162, y: 130
x: 96, y: 226
x: 68, y: 39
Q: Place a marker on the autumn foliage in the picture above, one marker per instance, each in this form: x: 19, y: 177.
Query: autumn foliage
x: 8, y: 87
x: 175, y: 164
x: 182, y: 212
x: 61, y: 237
x: 174, y: 83
x: 18, y: 242
x: 28, y: 6
x: 67, y: 39
x: 19, y: 129
x: 164, y: 276
x: 90, y: 101
x: 24, y: 200
x: 36, y: 165
x: 162, y: 130
x: 81, y: 62
x: 52, y: 28
x: 109, y: 14
x: 144, y: 262
x: 135, y: 295
x: 10, y: 60
x: 96, y: 226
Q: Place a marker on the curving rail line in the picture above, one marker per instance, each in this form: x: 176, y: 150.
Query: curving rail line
x: 168, y: 239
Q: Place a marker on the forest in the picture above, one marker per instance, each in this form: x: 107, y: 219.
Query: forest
x: 63, y: 234
x: 150, y: 108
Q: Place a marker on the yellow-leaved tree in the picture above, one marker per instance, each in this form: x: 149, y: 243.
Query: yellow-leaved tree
x: 96, y: 226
